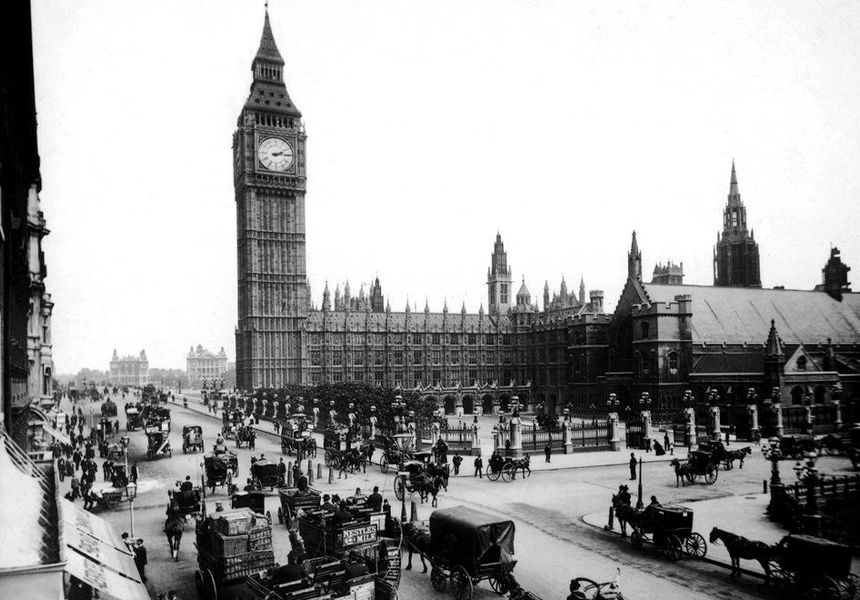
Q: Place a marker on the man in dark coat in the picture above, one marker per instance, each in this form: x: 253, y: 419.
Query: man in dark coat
x: 140, y: 559
x: 479, y: 467
x: 632, y: 467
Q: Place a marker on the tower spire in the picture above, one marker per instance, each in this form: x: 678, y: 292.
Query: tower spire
x: 634, y: 260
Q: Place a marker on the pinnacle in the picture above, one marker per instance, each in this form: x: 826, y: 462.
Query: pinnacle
x: 268, y: 49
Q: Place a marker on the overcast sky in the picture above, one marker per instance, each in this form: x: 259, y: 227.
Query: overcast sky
x: 432, y: 125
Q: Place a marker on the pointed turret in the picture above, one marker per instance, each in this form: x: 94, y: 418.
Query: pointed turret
x: 499, y: 279
x: 326, y: 303
x: 337, y: 299
x: 481, y: 310
x: 563, y: 290
x: 773, y: 347
x: 445, y: 307
x: 634, y: 260
x: 463, y: 310
x: 524, y: 297
x: 426, y: 306
x: 774, y: 358
x: 116, y: 356
x: 268, y: 69
x: 581, y: 290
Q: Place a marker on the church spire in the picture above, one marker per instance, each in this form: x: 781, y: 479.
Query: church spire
x: 634, y: 260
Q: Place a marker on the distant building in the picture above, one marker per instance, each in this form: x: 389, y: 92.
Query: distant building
x: 129, y: 370
x: 39, y: 346
x: 834, y: 276
x: 205, y: 365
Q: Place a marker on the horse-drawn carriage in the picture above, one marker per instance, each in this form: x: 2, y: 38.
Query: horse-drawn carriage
x: 340, y: 445
x: 701, y: 463
x: 108, y: 408
x: 464, y: 547
x: 392, y: 456
x: 421, y: 477
x: 506, y: 467
x: 158, y: 438
x: 293, y: 500
x: 245, y: 434
x: 188, y: 501
x: 796, y: 446
x: 232, y: 419
x: 133, y: 417
x: 192, y: 438
x: 670, y: 529
x: 296, y: 437
x: 231, y: 545
x: 265, y: 474
x: 367, y: 540
x: 255, y: 501
x: 215, y: 467
x: 812, y: 567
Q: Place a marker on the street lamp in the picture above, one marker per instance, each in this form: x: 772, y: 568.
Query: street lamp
x: 809, y: 476
x: 612, y: 403
x: 130, y: 486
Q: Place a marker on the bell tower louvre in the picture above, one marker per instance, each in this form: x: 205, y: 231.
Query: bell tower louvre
x: 269, y: 181
x: 736, y: 258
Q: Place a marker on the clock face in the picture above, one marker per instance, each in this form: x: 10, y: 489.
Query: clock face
x: 275, y: 154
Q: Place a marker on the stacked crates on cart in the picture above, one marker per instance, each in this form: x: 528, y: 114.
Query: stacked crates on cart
x: 235, y: 543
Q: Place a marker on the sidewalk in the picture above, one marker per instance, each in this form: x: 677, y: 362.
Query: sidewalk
x: 742, y: 515
x: 576, y: 460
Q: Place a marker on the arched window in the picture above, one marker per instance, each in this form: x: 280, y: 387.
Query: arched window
x: 637, y: 361
x: 797, y: 395
x: 820, y: 394
x: 644, y: 326
x: 673, y: 361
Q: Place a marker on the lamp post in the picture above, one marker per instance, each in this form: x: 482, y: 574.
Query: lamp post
x: 402, y: 439
x: 809, y: 476
x: 130, y: 489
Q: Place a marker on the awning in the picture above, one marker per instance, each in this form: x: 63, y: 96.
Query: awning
x: 96, y: 554
x: 57, y: 435
x: 108, y: 583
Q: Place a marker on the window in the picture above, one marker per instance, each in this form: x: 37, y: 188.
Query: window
x: 378, y: 357
x: 338, y: 358
x: 398, y: 377
x: 473, y: 357
x: 455, y: 357
x: 437, y: 377
x: 473, y: 376
x: 437, y: 339
x: 491, y: 339
x: 398, y: 357
x: 419, y: 378
x: 315, y: 358
x: 437, y: 357
x: 491, y: 357
x: 504, y: 294
x: 473, y: 339
x: 645, y: 326
x: 801, y: 363
x: 338, y: 376
x: 378, y: 377
x: 418, y: 338
x: 315, y: 376
x: 358, y: 359
x: 358, y: 376
x: 673, y: 361
x: 417, y: 357
x: 454, y: 339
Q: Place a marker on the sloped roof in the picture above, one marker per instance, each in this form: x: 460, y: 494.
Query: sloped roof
x: 728, y: 362
x: 737, y: 315
x: 319, y: 321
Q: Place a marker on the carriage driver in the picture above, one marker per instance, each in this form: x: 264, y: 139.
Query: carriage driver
x: 186, y: 486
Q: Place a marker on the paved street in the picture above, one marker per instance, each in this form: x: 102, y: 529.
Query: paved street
x: 554, y: 542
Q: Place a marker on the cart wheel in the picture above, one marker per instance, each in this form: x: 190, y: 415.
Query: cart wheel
x: 461, y: 583
x: 383, y: 466
x: 711, y: 474
x: 695, y: 545
x: 636, y: 539
x: 498, y: 585
x: 438, y: 579
x: 728, y: 465
x: 280, y: 515
x: 587, y: 586
x: 507, y: 473
x: 853, y: 586
x: 827, y: 589
x: 399, y: 487
x: 328, y: 459
x: 672, y: 547
x: 198, y: 583
x: 211, y: 588
x: 493, y: 476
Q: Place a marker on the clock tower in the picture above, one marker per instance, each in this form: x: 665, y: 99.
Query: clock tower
x: 269, y: 180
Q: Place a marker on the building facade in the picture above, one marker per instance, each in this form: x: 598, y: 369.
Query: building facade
x: 269, y: 183
x: 130, y: 369
x: 204, y: 365
x: 25, y: 364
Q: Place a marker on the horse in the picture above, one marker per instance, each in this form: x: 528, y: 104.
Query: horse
x: 443, y: 471
x: 426, y: 486
x: 522, y: 464
x: 741, y: 548
x: 732, y: 455
x: 683, y: 472
x: 624, y: 511
x: 417, y: 540
x: 173, y: 527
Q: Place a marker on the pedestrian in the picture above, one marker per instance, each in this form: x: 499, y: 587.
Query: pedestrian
x: 547, y: 451
x: 479, y: 467
x: 508, y: 451
x: 252, y: 439
x: 76, y: 457
x: 342, y: 470
x: 277, y: 425
x: 140, y: 559
x: 282, y: 471
x: 76, y: 488
x: 667, y: 444
x: 61, y: 468
x: 632, y: 467
x: 457, y: 460
x: 371, y: 447
x: 647, y: 445
x: 133, y: 475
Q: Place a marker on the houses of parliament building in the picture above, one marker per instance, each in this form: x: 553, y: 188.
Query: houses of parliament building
x: 568, y: 352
